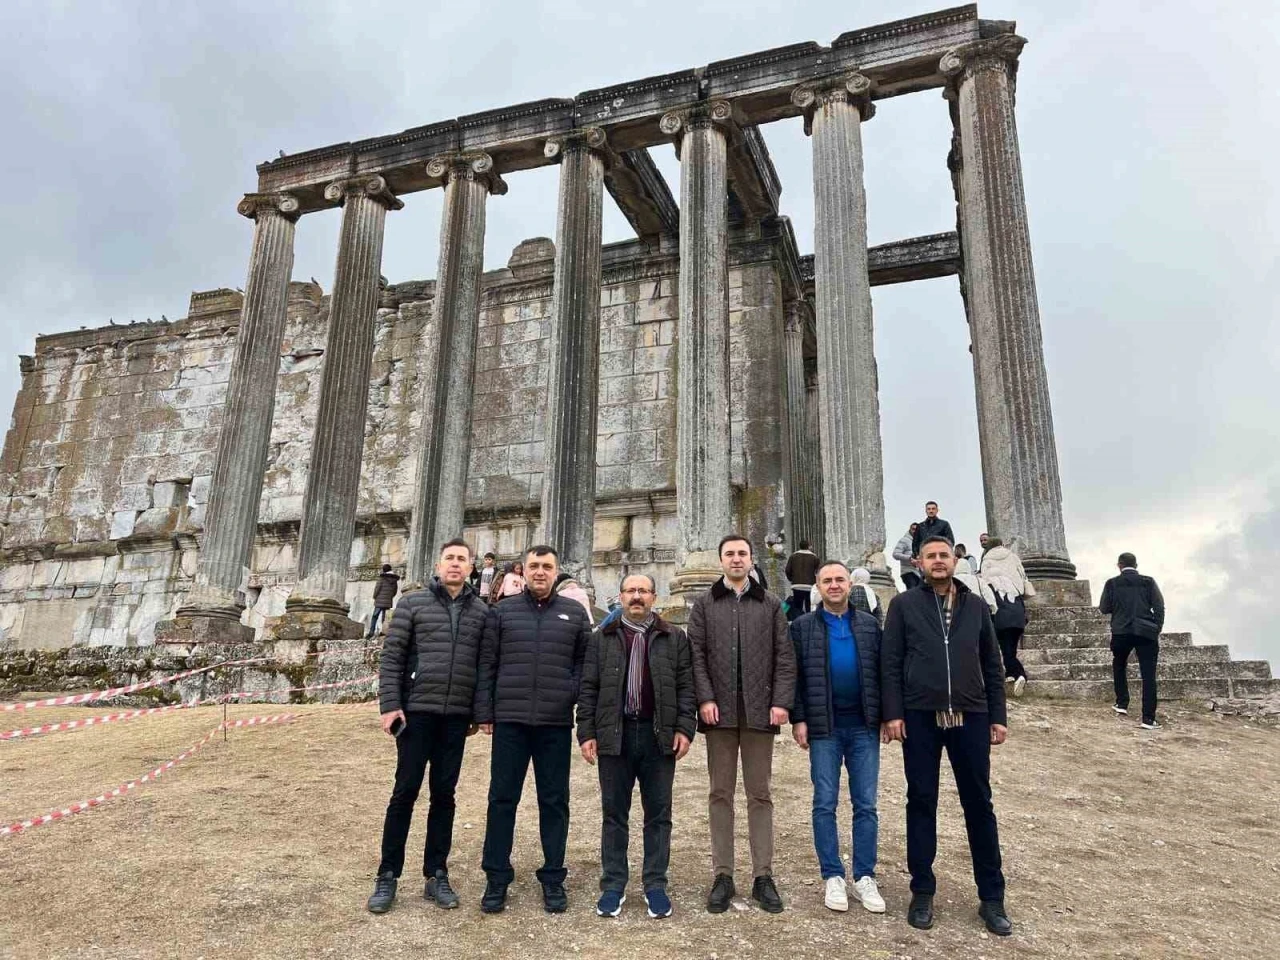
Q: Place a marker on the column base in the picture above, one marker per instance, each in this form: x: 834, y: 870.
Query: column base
x: 700, y: 571
x: 1060, y: 593
x: 308, y: 626
x: 1048, y: 568
x: 201, y: 628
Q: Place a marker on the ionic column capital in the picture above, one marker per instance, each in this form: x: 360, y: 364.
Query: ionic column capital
x: 476, y: 165
x: 592, y: 138
x: 795, y: 316
x: 853, y: 88
x: 970, y: 59
x: 675, y: 123
x: 375, y: 187
x: 256, y: 203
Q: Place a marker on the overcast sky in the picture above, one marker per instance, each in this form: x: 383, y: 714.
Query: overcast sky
x: 1149, y: 147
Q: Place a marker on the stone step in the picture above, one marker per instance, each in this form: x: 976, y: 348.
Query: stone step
x: 1092, y: 638
x: 1101, y: 627
x: 1168, y: 689
x: 1215, y: 653
x: 1068, y: 612
x: 1232, y: 669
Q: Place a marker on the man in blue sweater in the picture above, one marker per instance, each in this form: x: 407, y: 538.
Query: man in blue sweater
x: 836, y: 718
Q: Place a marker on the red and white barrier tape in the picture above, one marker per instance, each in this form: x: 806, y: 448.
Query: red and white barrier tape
x: 120, y: 691
x: 94, y: 721
x: 64, y: 812
x: 77, y: 698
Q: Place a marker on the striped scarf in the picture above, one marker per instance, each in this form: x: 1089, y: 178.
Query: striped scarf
x: 639, y: 633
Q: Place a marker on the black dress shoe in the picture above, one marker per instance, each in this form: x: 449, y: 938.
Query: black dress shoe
x: 993, y: 915
x: 554, y: 899
x: 495, y: 897
x: 765, y: 893
x: 920, y: 913
x: 438, y: 889
x: 384, y: 893
x: 722, y: 893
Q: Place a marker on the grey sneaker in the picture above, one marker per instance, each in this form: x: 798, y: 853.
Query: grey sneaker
x: 438, y: 889
x: 384, y: 893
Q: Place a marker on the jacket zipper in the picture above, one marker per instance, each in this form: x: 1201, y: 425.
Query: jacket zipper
x: 453, y: 653
x: 537, y: 659
x: 946, y: 644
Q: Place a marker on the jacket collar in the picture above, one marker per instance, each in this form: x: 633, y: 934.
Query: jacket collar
x: 438, y: 588
x: 959, y: 585
x: 658, y: 626
x: 720, y: 590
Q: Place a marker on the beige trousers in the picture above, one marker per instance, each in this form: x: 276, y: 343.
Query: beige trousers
x: 756, y: 748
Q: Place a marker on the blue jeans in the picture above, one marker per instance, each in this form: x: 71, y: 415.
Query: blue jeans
x: 378, y: 614
x: 858, y: 750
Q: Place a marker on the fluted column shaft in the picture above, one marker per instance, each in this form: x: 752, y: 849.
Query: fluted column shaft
x: 799, y: 501
x: 704, y: 506
x: 813, y: 461
x: 852, y: 466
x: 1015, y: 423
x: 231, y: 519
x: 337, y: 445
x: 569, y: 483
x: 449, y: 382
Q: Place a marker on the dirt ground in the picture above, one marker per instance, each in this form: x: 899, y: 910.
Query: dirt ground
x: 1117, y: 843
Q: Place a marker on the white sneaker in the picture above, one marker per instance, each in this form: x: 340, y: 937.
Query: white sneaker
x: 1019, y: 685
x: 836, y: 898
x: 867, y: 891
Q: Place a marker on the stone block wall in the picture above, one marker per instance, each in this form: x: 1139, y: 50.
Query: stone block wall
x: 105, y: 472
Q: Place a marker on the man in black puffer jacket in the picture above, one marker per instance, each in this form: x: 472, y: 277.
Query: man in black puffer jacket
x: 637, y: 716
x: 942, y: 685
x: 836, y: 718
x: 426, y: 686
x: 530, y: 669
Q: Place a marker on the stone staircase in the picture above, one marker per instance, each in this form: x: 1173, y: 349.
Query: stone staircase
x: 1066, y: 651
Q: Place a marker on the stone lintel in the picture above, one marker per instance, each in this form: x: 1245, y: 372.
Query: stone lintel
x: 642, y: 194
x: 918, y: 258
x: 901, y: 57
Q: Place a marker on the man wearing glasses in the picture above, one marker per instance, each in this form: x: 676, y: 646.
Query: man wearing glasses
x: 636, y: 718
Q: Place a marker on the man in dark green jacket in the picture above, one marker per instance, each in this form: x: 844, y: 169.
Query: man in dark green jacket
x: 636, y: 716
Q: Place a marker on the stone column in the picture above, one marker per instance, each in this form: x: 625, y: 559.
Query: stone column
x: 852, y: 470
x: 800, y: 518
x: 569, y: 481
x: 704, y: 506
x: 449, y: 380
x: 1015, y: 424
x: 337, y: 445
x: 211, y: 611
x: 813, y: 457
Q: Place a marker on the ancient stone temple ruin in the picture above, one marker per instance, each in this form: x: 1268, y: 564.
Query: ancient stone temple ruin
x: 248, y: 468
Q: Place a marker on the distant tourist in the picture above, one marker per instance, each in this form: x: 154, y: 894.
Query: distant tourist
x: 983, y: 540
x: 483, y: 578
x: 905, y: 553
x: 941, y: 687
x: 963, y: 559
x: 568, y: 586
x: 1002, y: 573
x: 757, y: 574
x: 512, y: 583
x: 836, y: 718
x: 529, y: 675
x: 637, y: 716
x: 384, y: 598
x: 931, y: 526
x: 744, y: 675
x: 801, y: 568
x: 1137, y: 617
x: 435, y: 633
x: 862, y: 596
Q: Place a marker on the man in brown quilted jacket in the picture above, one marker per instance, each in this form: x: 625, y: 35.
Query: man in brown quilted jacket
x: 744, y: 676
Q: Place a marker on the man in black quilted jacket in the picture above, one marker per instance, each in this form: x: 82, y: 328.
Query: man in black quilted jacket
x: 530, y: 669
x: 426, y: 688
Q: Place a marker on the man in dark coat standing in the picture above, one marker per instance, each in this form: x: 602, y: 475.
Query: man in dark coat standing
x: 800, y: 571
x: 837, y: 719
x: 1136, y: 607
x: 942, y: 685
x: 384, y: 598
x: 530, y: 671
x: 931, y: 526
x: 426, y: 684
x: 636, y: 718
x: 744, y: 676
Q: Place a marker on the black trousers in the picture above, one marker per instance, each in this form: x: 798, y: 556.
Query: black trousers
x: 910, y: 578
x: 1148, y: 651
x: 800, y: 599
x: 969, y: 750
x: 434, y: 739
x: 1009, y: 639
x: 514, y: 746
x: 642, y: 759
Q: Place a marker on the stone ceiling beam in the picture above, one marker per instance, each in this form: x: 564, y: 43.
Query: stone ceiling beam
x: 641, y: 193
x: 899, y: 57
